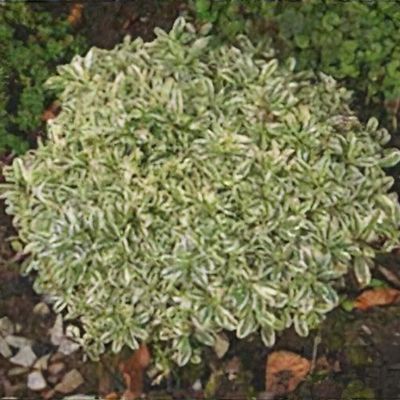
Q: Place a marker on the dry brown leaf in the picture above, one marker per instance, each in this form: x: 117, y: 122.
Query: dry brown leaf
x: 75, y: 14
x: 284, y: 371
x: 376, y: 297
x: 133, y: 369
x: 112, y: 396
x: 51, y: 112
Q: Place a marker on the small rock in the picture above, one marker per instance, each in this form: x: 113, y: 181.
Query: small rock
x: 17, y: 371
x: 42, y: 362
x: 41, y: 309
x: 18, y: 328
x: 56, y: 332
x: 56, y: 368
x: 36, y: 381
x: 71, y: 381
x: 53, y: 379
x: 197, y: 386
x: 25, y: 357
x: 5, y: 350
x: 18, y: 341
x: 67, y: 346
x: 6, y: 326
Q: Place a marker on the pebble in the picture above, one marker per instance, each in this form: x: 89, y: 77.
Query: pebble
x: 67, y: 346
x: 56, y: 332
x: 17, y: 371
x: 36, y: 381
x: 5, y: 350
x: 71, y: 381
x: 42, y: 362
x: 197, y: 386
x: 6, y: 326
x: 56, y: 368
x: 25, y: 357
x: 53, y: 379
x: 41, y: 309
x: 18, y: 341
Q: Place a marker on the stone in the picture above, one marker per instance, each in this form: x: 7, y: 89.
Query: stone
x: 6, y: 326
x: 56, y: 368
x: 41, y: 309
x: 197, y: 386
x: 18, y: 342
x: 71, y: 381
x: 42, y: 363
x: 5, y: 350
x: 25, y: 357
x: 67, y: 346
x: 56, y: 332
x: 36, y: 381
x: 17, y: 371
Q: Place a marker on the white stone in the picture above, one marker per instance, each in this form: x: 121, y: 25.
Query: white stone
x: 17, y: 371
x: 36, y: 381
x: 42, y: 362
x: 6, y: 326
x: 197, y: 386
x: 18, y: 341
x: 25, y: 357
x: 5, y: 350
x: 56, y: 332
x: 67, y: 346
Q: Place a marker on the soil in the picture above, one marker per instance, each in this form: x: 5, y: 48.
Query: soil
x: 358, y: 356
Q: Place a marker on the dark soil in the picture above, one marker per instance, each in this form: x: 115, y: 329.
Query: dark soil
x: 359, y: 353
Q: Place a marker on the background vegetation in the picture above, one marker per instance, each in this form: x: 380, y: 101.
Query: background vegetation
x: 32, y: 42
x: 355, y: 42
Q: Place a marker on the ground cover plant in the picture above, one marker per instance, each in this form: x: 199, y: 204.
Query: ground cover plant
x: 32, y: 43
x: 353, y: 41
x: 187, y: 189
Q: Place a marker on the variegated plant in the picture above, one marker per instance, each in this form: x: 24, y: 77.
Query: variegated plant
x: 187, y: 189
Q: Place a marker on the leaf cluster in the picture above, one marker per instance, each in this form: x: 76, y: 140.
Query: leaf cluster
x: 32, y: 43
x: 354, y: 41
x: 187, y: 189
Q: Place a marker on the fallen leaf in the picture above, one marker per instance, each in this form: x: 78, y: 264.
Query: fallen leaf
x: 132, y: 371
x: 221, y: 345
x: 75, y: 14
x: 112, y: 396
x: 376, y: 297
x: 232, y: 368
x: 284, y: 372
x: 71, y: 381
x: 51, y: 112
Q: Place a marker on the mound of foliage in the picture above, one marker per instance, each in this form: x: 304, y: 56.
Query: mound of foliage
x: 353, y: 40
x: 187, y: 189
x: 32, y: 43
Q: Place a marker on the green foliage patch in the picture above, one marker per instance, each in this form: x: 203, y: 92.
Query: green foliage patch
x: 32, y: 43
x: 185, y: 189
x: 355, y: 41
